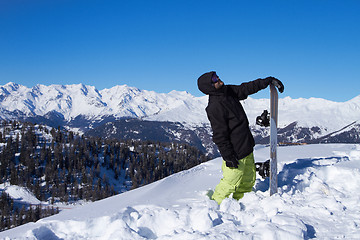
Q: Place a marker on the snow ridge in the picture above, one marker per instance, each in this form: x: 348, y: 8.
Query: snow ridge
x: 119, y: 101
x: 124, y: 101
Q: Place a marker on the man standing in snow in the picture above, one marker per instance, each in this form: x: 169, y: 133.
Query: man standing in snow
x: 231, y: 132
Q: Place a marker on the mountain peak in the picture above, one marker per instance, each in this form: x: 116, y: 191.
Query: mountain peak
x: 12, y: 86
x: 355, y: 100
x: 176, y: 106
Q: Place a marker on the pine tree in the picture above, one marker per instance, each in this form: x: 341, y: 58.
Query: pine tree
x: 54, y: 170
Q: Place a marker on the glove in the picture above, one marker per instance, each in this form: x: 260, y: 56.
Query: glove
x: 231, y: 161
x: 277, y: 83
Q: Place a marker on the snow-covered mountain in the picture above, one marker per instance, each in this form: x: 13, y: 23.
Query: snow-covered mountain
x: 84, y: 107
x: 317, y: 198
x: 76, y: 100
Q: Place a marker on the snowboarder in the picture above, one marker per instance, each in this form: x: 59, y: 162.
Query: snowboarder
x: 231, y: 132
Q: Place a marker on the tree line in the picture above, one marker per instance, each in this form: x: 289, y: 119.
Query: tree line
x: 57, y: 165
x: 12, y: 216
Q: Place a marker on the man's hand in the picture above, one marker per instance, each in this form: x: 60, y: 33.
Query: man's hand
x: 231, y: 161
x: 277, y: 83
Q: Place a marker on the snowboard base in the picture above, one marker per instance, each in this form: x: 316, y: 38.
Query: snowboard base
x: 273, y: 139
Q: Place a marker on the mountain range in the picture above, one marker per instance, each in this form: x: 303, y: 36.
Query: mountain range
x: 128, y: 112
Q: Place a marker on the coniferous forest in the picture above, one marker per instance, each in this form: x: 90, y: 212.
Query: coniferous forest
x: 59, y: 166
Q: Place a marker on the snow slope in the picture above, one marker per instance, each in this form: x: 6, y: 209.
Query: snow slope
x: 20, y: 194
x: 318, y: 198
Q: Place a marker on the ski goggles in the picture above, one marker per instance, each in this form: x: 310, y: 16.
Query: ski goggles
x: 215, y: 78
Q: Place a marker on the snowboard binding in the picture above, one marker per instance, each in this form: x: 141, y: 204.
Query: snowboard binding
x: 264, y: 119
x: 263, y: 169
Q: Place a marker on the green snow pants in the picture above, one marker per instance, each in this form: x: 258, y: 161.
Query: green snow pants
x: 236, y: 180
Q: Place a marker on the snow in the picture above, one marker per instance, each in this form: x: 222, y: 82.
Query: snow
x: 308, y: 112
x: 175, y: 106
x: 20, y: 194
x: 317, y: 198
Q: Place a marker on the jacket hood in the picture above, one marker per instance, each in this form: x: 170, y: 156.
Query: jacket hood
x: 205, y: 84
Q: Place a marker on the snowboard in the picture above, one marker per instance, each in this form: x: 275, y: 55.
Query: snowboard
x: 273, y: 139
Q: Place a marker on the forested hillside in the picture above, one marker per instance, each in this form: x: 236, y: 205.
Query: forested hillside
x: 59, y: 166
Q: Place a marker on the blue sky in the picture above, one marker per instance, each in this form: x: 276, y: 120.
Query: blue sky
x: 312, y: 46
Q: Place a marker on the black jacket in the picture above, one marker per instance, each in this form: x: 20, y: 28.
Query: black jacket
x: 231, y: 132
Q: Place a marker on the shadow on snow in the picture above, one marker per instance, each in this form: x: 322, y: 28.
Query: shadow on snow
x: 288, y: 175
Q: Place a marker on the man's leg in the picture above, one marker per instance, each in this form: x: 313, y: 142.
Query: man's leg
x: 228, y: 184
x: 248, y: 178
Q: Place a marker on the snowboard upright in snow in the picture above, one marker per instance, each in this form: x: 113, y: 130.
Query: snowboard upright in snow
x: 273, y: 138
